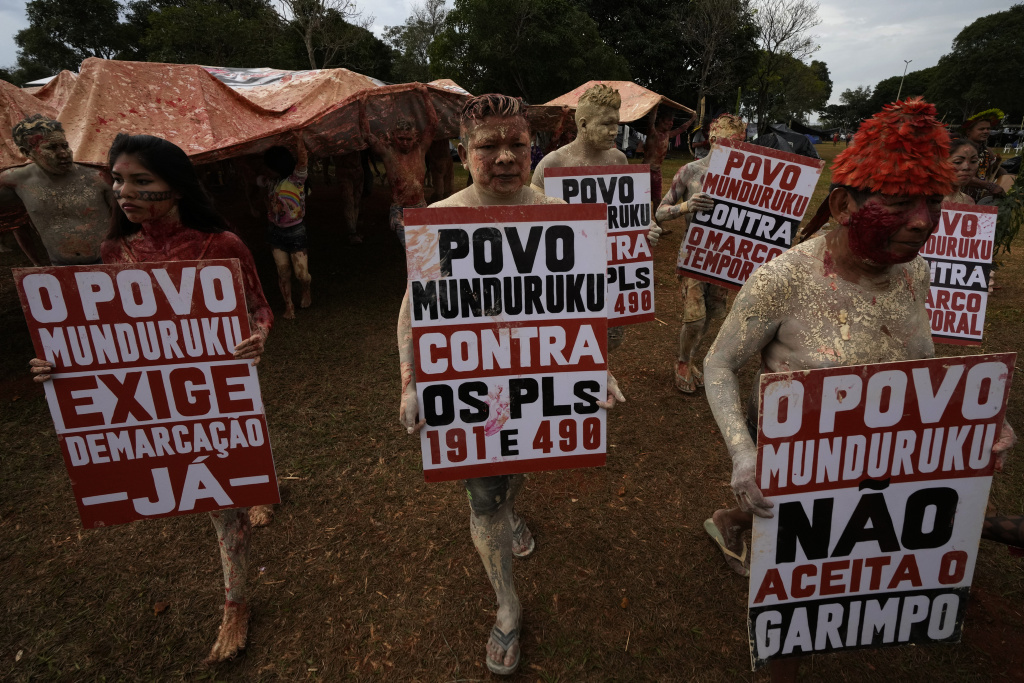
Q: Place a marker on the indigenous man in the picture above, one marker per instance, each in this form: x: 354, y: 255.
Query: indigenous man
x: 659, y: 132
x: 702, y: 302
x: 991, y: 180
x: 404, y: 155
x: 597, y: 124
x: 855, y: 296
x: 69, y: 203
x: 495, y: 147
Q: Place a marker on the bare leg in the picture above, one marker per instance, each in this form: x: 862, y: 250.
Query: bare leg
x: 492, y: 535
x: 688, y: 375
x: 732, y: 523
x: 1005, y: 530
x: 522, y: 538
x: 284, y: 281
x: 300, y: 264
x: 233, y: 536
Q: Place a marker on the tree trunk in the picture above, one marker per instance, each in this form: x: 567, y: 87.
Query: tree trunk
x: 308, y: 39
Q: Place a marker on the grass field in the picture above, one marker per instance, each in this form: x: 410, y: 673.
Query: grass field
x: 369, y: 574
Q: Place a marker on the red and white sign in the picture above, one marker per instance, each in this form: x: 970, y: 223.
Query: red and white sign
x: 510, y: 337
x: 626, y: 189
x: 760, y: 196
x: 880, y: 477
x: 960, y: 255
x: 154, y: 415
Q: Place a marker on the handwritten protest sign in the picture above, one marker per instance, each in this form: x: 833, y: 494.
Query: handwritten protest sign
x: 510, y: 337
x: 154, y: 415
x: 880, y: 477
x: 760, y: 198
x: 960, y: 255
x: 626, y: 189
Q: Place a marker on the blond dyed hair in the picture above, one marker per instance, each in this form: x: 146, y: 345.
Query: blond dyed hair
x: 595, y: 97
x: 726, y: 126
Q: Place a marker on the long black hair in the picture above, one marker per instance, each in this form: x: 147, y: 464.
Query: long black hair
x: 168, y: 162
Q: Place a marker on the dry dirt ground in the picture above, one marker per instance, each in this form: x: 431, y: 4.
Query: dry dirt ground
x: 369, y: 574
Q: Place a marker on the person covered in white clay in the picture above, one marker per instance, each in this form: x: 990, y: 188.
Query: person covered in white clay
x: 495, y: 147
x: 70, y: 204
x: 166, y: 215
x: 702, y: 302
x: 854, y: 296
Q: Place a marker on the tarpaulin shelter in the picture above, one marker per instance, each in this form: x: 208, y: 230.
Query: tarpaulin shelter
x: 797, y: 142
x: 56, y: 92
x: 190, y: 107
x: 15, y: 105
x: 637, y: 101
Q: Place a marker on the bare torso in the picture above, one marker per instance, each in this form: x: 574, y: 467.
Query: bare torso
x: 576, y: 153
x: 406, y: 174
x: 655, y: 147
x: 71, y: 212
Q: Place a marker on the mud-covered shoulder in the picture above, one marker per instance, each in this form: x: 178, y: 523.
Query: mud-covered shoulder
x: 920, y: 274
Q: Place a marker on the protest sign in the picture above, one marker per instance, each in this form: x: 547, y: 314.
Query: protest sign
x: 880, y: 477
x: 626, y: 189
x: 510, y: 337
x: 760, y: 198
x: 154, y: 415
x: 959, y: 253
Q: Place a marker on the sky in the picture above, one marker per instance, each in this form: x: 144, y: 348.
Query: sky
x: 862, y: 42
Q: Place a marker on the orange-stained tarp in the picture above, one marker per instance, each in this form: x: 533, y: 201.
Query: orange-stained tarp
x: 56, y: 92
x: 314, y: 91
x: 637, y: 101
x: 211, y: 121
x: 15, y: 105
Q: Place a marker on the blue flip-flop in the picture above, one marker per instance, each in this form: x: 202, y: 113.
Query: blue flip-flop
x: 505, y: 640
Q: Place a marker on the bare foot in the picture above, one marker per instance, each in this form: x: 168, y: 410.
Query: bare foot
x: 234, y: 630
x: 732, y: 533
x: 698, y: 376
x: 307, y: 298
x: 261, y: 515
x: 289, y: 313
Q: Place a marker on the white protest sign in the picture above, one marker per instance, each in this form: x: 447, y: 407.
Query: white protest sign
x: 880, y: 477
x: 959, y: 253
x: 510, y: 337
x: 626, y: 189
x: 760, y: 198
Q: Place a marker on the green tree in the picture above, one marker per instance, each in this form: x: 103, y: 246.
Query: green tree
x: 213, y: 33
x: 537, y: 49
x: 61, y: 33
x: 782, y: 37
x: 411, y: 41
x: 797, y: 91
x: 322, y: 26
x: 820, y: 69
x: 916, y: 84
x: 985, y: 67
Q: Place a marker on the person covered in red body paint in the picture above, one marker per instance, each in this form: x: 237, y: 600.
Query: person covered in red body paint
x: 853, y: 296
x: 166, y: 215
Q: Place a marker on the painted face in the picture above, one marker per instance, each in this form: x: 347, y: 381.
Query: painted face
x: 142, y: 195
x: 664, y: 124
x: 499, y: 154
x: 980, y: 131
x: 965, y: 160
x: 404, y: 140
x: 51, y: 152
x: 889, y: 230
x: 600, y: 127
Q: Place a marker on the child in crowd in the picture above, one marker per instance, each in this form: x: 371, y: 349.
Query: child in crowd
x: 286, y: 209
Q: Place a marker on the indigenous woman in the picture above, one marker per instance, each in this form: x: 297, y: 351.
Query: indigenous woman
x: 166, y: 215
x: 991, y: 180
x: 965, y: 159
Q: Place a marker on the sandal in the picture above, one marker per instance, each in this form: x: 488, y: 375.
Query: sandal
x: 685, y: 383
x: 523, y: 543
x: 506, y: 641
x: 716, y: 535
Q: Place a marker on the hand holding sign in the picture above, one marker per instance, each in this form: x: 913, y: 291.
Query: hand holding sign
x: 698, y: 202
x: 744, y: 486
x: 40, y: 369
